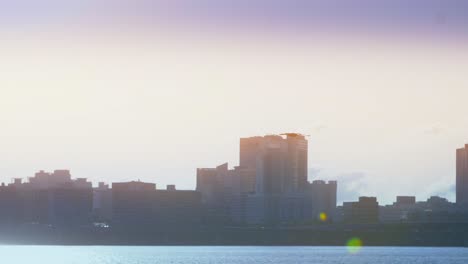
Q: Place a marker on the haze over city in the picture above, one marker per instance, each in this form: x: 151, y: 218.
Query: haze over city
x: 156, y: 96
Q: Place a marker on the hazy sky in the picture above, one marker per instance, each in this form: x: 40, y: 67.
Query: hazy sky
x: 124, y: 90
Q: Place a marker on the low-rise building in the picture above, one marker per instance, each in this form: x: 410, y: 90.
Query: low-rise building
x: 138, y: 205
x: 102, y: 203
x: 365, y: 211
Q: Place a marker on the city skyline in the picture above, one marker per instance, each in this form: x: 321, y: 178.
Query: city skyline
x: 249, y: 146
x: 233, y: 131
x: 269, y: 187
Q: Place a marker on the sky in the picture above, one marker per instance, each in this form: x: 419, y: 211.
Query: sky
x: 125, y: 90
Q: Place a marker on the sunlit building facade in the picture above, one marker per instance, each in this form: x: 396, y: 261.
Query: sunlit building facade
x: 462, y: 176
x: 269, y: 186
x: 279, y: 163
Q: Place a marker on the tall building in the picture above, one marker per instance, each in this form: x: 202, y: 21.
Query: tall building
x: 279, y: 163
x: 241, y: 180
x: 462, y: 176
x: 296, y: 162
x: 264, y: 157
x: 269, y: 186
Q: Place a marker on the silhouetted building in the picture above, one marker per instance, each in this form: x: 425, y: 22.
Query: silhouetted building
x: 133, y: 204
x: 241, y: 180
x: 55, y: 199
x: 434, y: 210
x: 178, y: 208
x: 43, y: 180
x: 213, y: 185
x: 67, y: 205
x: 437, y: 210
x: 138, y: 205
x: 102, y: 203
x: 210, y: 183
x: 318, y: 198
x: 222, y: 191
x: 255, y: 209
x: 10, y: 205
x: 365, y: 211
x: 399, y: 211
x: 321, y: 198
x: 405, y: 200
x: 462, y: 176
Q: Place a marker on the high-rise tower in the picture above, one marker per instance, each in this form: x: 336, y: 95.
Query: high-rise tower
x: 462, y: 175
x: 279, y: 163
x: 296, y: 162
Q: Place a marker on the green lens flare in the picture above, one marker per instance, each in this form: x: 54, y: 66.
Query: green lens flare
x: 354, y: 245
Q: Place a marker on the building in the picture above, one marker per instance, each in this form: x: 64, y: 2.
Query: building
x: 67, y: 205
x: 269, y: 186
x: 44, y: 180
x: 102, y: 203
x: 213, y: 185
x: 135, y: 186
x: 10, y: 206
x: 139, y: 205
x: 365, y: 211
x: 433, y: 210
x: 399, y: 211
x: 222, y: 191
x: 54, y: 199
x: 321, y: 199
x: 438, y: 210
x: 60, y: 201
x: 296, y: 162
x: 279, y: 163
x: 179, y: 209
x: 462, y: 176
x: 405, y: 201
x: 132, y: 204
x: 254, y: 210
x: 241, y: 181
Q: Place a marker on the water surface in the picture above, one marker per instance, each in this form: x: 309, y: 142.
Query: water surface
x: 228, y: 255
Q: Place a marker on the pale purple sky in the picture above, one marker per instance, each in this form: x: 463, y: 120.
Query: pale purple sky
x: 380, y: 15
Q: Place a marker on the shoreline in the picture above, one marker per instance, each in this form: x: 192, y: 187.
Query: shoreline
x: 387, y: 235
